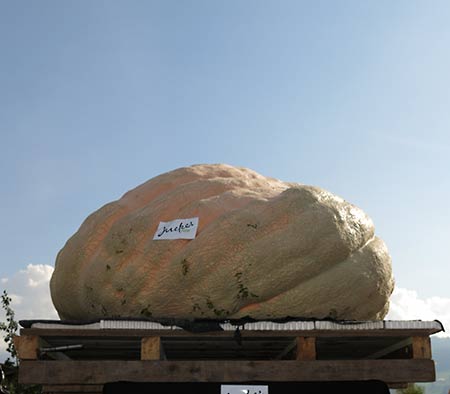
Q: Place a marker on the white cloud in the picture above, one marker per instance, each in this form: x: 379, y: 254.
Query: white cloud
x: 407, y: 305
x: 30, y: 296
x: 30, y: 293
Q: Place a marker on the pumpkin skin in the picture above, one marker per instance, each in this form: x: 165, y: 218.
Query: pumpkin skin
x: 264, y: 248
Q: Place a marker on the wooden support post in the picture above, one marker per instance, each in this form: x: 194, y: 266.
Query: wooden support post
x: 306, y: 348
x: 27, y: 347
x: 421, y: 347
x: 151, y: 348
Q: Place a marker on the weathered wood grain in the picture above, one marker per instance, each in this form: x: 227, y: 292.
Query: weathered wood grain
x: 421, y: 347
x: 151, y: 348
x: 100, y: 372
x: 306, y: 348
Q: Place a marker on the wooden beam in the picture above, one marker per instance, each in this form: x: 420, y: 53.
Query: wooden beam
x: 101, y: 372
x: 286, y: 350
x: 27, y: 346
x: 421, y: 347
x: 306, y: 348
x: 151, y: 348
x: 389, y: 349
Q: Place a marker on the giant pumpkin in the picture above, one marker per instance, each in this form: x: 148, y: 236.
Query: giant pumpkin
x: 264, y: 248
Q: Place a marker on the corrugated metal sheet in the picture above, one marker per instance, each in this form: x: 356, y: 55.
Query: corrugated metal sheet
x: 365, y: 325
x: 57, y: 326
x: 260, y: 326
x: 412, y: 324
x: 271, y: 326
x: 134, y: 325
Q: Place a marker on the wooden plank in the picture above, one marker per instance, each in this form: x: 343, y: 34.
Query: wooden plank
x: 151, y: 348
x: 306, y: 348
x: 291, y: 346
x: 421, y: 347
x: 396, y: 346
x: 27, y: 346
x: 101, y: 372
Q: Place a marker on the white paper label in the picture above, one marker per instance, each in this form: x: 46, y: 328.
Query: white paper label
x: 243, y: 389
x: 177, y: 229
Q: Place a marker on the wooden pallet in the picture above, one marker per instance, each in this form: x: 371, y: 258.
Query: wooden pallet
x: 395, y: 356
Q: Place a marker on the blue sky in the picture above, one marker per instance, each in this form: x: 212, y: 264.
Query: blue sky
x: 97, y: 97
